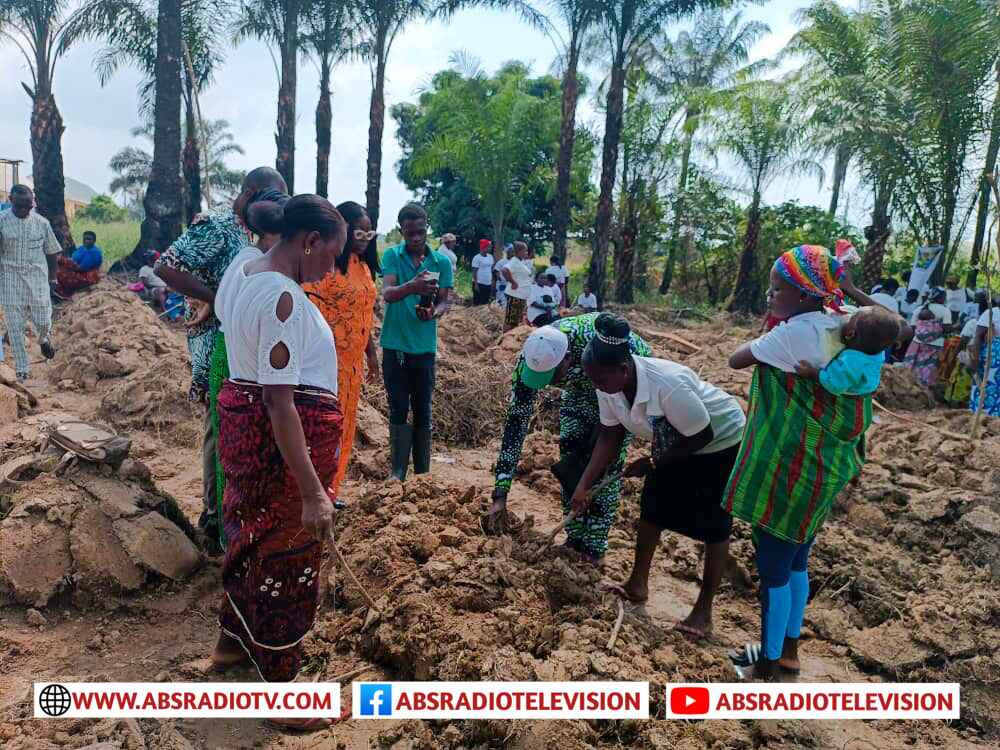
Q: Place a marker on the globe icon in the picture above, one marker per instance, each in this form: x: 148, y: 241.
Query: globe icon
x: 54, y: 700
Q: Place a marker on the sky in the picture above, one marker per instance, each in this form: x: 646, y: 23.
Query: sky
x: 98, y: 119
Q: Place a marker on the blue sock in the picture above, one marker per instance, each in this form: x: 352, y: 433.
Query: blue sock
x: 777, y: 602
x: 798, y: 583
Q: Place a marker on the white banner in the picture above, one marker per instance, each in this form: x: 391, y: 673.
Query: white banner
x: 924, y: 262
x: 501, y: 700
x: 186, y: 700
x: 864, y: 700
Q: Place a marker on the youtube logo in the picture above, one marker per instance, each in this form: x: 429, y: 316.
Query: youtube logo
x: 688, y: 700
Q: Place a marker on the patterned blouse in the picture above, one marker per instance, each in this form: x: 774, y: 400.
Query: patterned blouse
x: 205, y: 251
x: 579, y: 394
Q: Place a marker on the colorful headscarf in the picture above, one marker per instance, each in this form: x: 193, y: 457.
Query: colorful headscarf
x: 812, y: 269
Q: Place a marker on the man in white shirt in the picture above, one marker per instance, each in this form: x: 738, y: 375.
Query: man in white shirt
x: 587, y: 300
x: 482, y: 269
x: 28, y: 252
x: 447, y: 249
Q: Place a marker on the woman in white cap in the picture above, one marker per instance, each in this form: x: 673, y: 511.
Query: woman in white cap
x: 553, y: 355
x: 695, y: 430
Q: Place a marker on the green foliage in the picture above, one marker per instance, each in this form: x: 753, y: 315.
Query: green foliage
x: 481, y: 151
x: 116, y: 239
x: 102, y: 210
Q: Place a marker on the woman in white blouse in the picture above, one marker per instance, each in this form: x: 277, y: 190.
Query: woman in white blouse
x: 279, y: 441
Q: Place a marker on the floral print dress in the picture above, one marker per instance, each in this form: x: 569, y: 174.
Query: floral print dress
x: 347, y: 302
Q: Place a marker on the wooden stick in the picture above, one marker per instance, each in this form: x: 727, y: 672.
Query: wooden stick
x: 352, y: 673
x: 939, y: 430
x: 562, y: 525
x: 695, y: 349
x: 354, y: 578
x: 618, y: 624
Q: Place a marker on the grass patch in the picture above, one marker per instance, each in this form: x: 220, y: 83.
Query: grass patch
x: 116, y: 239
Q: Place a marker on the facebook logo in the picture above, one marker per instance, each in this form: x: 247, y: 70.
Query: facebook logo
x: 376, y: 699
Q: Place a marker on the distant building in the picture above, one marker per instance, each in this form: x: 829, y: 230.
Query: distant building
x: 78, y: 194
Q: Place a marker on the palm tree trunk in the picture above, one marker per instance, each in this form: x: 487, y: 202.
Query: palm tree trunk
x: 877, y: 237
x: 162, y: 202
x: 376, y: 125
x: 609, y: 164
x: 47, y: 160
x: 983, y: 211
x: 841, y: 159
x: 746, y: 293
x: 190, y: 159
x: 285, y: 136
x: 324, y: 119
x: 679, y: 205
x: 567, y: 135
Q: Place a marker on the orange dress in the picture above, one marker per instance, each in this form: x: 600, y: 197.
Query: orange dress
x: 347, y: 302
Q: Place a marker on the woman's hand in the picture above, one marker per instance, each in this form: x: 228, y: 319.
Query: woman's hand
x: 639, y: 468
x: 805, y: 370
x: 374, y: 374
x: 202, y: 312
x: 317, y: 515
x: 580, y: 500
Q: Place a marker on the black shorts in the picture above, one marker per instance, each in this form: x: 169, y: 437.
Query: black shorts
x: 686, y: 496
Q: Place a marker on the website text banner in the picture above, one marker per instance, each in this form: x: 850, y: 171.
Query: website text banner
x: 864, y: 700
x: 500, y: 700
x: 186, y: 700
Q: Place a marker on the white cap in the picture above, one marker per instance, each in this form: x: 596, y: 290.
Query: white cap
x: 543, y: 351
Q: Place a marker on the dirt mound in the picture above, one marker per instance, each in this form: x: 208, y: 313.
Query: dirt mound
x: 900, y: 390
x: 457, y: 605
x: 467, y: 331
x: 112, y: 343
x: 90, y: 532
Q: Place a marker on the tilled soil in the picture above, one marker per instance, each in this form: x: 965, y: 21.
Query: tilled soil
x: 904, y: 577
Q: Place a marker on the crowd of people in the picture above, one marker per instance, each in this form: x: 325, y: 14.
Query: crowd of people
x: 948, y: 346
x: 284, y: 294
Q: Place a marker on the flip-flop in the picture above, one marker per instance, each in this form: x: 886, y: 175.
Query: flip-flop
x: 618, y: 590
x: 698, y: 633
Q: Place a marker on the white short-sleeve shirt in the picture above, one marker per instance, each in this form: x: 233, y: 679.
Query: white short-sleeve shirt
x: 587, y: 301
x: 523, y: 272
x: 984, y: 321
x: 545, y: 295
x: 811, y: 337
x: 670, y: 390
x: 886, y: 300
x: 559, y: 272
x: 497, y: 268
x: 483, y: 266
x: 247, y: 308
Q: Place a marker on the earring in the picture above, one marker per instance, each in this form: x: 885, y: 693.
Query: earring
x: 308, y: 250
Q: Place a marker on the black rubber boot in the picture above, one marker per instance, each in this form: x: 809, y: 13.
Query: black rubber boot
x: 400, y: 441
x: 421, y: 451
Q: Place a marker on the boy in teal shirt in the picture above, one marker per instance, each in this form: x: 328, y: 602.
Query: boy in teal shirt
x: 415, y: 286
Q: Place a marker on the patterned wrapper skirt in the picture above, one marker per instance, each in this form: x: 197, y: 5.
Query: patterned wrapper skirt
x: 271, y: 569
x: 515, y: 312
x: 922, y: 356
x: 991, y: 404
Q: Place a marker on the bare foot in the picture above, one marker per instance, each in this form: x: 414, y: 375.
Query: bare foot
x: 228, y: 654
x: 301, y: 725
x: 697, y: 624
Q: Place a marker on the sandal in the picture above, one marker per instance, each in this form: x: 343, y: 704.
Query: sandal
x: 618, y: 590
x: 751, y: 653
x: 698, y: 634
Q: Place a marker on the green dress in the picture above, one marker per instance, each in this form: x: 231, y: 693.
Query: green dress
x: 579, y: 420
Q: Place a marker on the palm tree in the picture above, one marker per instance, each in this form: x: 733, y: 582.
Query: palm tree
x: 328, y: 40
x: 129, y: 29
x: 699, y: 67
x: 579, y: 16
x: 760, y: 131
x: 131, y: 166
x: 628, y: 25
x: 381, y: 21
x: 37, y: 28
x: 163, y: 204
x: 989, y: 168
x: 277, y: 22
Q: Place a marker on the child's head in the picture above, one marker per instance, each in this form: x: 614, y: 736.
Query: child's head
x: 912, y: 295
x: 89, y: 238
x: 871, y: 330
x: 550, y: 279
x: 803, y: 280
x: 540, y: 278
x: 890, y: 286
x: 587, y: 289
